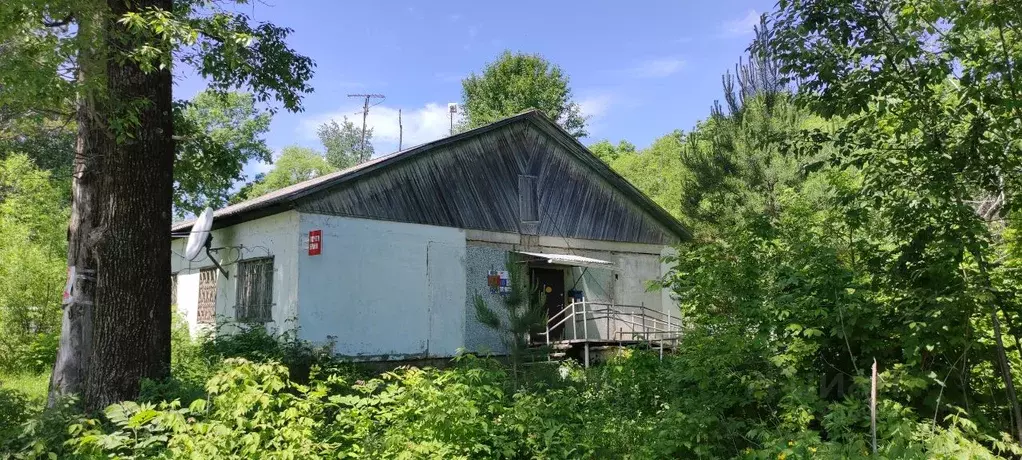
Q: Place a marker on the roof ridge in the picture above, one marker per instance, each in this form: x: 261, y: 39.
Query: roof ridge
x: 265, y: 204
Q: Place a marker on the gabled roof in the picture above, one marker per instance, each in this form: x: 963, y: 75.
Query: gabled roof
x: 286, y: 198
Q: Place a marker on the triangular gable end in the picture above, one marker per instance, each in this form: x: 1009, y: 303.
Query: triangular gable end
x: 519, y: 175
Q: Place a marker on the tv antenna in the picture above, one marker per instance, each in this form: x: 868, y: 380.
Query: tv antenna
x: 452, y: 108
x: 201, y: 237
x: 365, y: 113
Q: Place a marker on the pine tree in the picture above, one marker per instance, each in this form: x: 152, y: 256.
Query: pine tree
x: 523, y: 312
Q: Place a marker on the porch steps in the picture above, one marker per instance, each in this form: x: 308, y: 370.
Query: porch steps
x: 599, y: 350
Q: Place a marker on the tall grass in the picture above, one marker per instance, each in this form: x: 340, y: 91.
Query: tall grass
x: 33, y: 386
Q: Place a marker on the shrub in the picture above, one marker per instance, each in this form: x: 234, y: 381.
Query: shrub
x: 254, y: 343
x: 33, y: 251
x: 15, y: 409
x: 28, y: 431
x: 634, y: 407
x: 253, y: 410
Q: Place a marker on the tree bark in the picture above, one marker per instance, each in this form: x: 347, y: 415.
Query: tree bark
x: 1002, y: 356
x: 116, y: 331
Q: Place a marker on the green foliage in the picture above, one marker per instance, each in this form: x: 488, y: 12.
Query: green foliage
x: 33, y: 249
x: 865, y: 214
x: 517, y: 82
x: 33, y: 386
x: 927, y: 104
x: 656, y: 170
x: 256, y: 344
x: 709, y: 401
x: 14, y: 411
x: 91, y: 55
x: 42, y: 41
x: 343, y: 143
x: 48, y: 141
x: 295, y: 164
x: 252, y: 410
x: 738, y: 163
x: 609, y: 152
x: 34, y: 59
x: 218, y: 134
x: 523, y: 311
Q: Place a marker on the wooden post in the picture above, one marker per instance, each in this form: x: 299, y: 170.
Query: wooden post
x: 873, y: 407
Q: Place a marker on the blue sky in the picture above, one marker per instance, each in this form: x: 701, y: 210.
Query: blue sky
x: 639, y: 69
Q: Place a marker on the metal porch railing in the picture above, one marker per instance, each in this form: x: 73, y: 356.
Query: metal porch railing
x: 584, y: 322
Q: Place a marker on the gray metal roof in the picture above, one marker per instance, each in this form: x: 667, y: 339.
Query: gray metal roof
x: 286, y: 198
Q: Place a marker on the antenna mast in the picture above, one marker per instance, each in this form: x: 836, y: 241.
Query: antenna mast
x: 400, y: 130
x: 452, y: 108
x: 365, y: 114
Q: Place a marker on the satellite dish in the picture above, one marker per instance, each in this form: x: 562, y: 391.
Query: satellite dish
x: 200, y: 234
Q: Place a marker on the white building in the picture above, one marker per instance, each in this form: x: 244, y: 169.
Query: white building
x: 383, y: 260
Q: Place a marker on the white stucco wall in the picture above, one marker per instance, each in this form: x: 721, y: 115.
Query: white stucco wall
x: 383, y: 290
x: 276, y: 235
x: 624, y: 285
x: 669, y: 303
x: 481, y: 258
x: 188, y: 296
x: 388, y: 290
x: 627, y: 284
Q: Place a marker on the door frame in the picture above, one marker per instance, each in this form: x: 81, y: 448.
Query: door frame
x: 557, y: 333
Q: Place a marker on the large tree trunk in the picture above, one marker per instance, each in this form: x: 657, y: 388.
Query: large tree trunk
x: 116, y: 331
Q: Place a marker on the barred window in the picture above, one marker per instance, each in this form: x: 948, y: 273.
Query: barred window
x: 255, y: 290
x: 206, y: 308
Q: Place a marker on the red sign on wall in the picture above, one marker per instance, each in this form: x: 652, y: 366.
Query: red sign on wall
x: 315, y: 242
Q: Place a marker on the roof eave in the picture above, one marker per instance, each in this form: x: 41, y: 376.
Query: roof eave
x: 605, y: 171
x: 286, y: 202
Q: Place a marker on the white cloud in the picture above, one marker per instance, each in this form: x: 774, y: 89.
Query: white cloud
x: 743, y: 26
x: 659, y: 67
x: 421, y: 125
x: 595, y: 105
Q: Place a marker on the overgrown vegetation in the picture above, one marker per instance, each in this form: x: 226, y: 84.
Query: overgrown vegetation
x: 33, y: 248
x: 852, y: 200
x: 636, y: 406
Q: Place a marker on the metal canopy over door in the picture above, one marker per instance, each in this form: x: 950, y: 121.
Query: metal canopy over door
x: 551, y: 282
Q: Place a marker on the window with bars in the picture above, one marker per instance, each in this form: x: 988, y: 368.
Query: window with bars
x: 255, y: 290
x: 206, y: 308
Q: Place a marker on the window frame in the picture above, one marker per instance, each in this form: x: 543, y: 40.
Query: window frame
x: 200, y: 318
x: 243, y: 305
x: 528, y: 199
